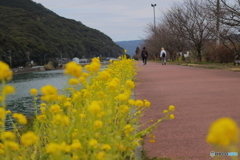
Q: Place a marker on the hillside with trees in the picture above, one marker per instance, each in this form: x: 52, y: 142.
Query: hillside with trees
x: 30, y: 32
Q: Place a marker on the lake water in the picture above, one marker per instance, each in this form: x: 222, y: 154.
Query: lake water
x: 22, y: 101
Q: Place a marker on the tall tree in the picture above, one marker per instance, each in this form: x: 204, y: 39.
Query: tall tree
x: 190, y: 21
x: 228, y: 15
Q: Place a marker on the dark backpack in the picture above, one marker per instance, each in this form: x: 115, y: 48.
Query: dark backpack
x: 163, y: 55
x: 144, y: 54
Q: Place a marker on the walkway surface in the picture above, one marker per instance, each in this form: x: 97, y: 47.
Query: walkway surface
x: 200, y: 97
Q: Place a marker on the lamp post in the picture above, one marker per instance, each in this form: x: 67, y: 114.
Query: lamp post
x: 154, y: 5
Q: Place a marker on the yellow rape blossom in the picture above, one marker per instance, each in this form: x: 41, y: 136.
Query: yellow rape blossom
x: 13, y: 146
x: 64, y: 147
x: 67, y: 104
x: 2, y: 113
x: 82, y: 79
x: 62, y: 98
x: 73, y: 69
x: 171, y: 116
x: 8, y: 112
x: 52, y: 148
x: 124, y: 108
x: 29, y: 138
x: 50, y: 93
x: 8, y: 135
x: 165, y: 111
x: 122, y: 97
x: 76, y: 144
x: 33, y: 91
x: 114, y: 83
x: 8, y: 89
x: 61, y: 120
x: 171, y: 108
x: 147, y: 103
x: 5, y: 72
x: 93, y: 143
x: 104, y: 75
x: 130, y: 84
x: 223, y: 132
x: 43, y: 109
x: 101, y: 156
x: 152, y: 141
x: 98, y: 124
x: 42, y: 118
x: 131, y: 102
x: 20, y: 117
x: 85, y: 75
x: 55, y: 108
x: 101, y: 114
x: 139, y: 103
x: 93, y: 67
x: 106, y: 147
x: 94, y: 107
x: 75, y: 158
x: 43, y: 104
x: 73, y: 81
x: 128, y: 129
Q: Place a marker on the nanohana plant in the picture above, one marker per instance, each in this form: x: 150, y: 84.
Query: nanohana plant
x: 94, y: 118
x: 224, y: 135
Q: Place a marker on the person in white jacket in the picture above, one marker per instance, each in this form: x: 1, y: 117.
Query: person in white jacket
x: 163, y: 55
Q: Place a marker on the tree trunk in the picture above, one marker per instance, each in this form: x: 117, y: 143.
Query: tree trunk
x: 199, y: 57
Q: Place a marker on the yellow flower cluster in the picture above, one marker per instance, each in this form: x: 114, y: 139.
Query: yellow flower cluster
x: 5, y: 72
x: 73, y: 69
x: 33, y: 91
x: 61, y: 120
x: 94, y: 66
x: 94, y: 107
x: 20, y: 117
x: 55, y: 148
x: 29, y: 138
x: 50, y: 93
x: 96, y: 118
x: 223, y: 132
x: 8, y: 135
x: 55, y: 108
x: 8, y: 89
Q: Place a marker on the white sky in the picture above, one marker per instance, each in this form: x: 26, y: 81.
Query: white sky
x: 121, y: 20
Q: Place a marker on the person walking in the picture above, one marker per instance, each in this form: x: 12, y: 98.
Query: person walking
x: 163, y: 55
x: 144, y: 56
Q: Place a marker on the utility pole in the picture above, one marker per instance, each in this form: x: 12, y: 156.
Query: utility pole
x: 218, y: 23
x: 154, y: 5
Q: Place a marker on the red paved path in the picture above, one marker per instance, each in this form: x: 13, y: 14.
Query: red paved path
x: 200, y: 96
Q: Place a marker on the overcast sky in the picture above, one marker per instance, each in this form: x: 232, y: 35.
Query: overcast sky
x: 121, y: 20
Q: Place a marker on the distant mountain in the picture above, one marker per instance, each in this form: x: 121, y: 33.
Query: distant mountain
x: 130, y: 46
x: 31, y: 32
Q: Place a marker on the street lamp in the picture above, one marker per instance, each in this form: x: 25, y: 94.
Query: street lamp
x: 154, y: 5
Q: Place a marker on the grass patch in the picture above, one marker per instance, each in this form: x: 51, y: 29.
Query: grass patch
x: 208, y: 65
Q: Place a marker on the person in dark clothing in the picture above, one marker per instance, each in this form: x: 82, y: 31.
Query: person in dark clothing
x: 144, y: 56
